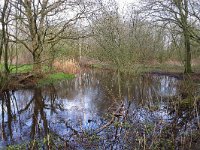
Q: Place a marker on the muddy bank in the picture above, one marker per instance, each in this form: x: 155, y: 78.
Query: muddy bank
x: 19, y: 81
x: 30, y: 80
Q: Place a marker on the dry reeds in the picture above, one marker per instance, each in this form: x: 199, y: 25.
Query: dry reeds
x: 68, y: 66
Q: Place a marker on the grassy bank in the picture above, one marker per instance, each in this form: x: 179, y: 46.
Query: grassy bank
x: 144, y: 68
x: 55, y: 77
x: 26, y: 68
x: 23, y: 77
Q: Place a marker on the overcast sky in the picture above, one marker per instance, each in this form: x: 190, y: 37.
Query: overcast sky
x: 122, y: 2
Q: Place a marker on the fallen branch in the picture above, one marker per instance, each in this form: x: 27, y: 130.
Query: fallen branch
x: 25, y: 78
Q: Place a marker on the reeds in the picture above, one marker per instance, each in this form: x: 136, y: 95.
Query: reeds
x: 67, y: 66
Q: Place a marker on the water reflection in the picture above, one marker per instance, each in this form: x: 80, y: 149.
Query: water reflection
x: 87, y: 103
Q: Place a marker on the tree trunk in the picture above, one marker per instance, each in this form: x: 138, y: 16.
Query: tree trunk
x: 4, y: 44
x: 6, y: 56
x: 1, y: 47
x: 188, y: 66
x: 37, y: 68
x: 183, y: 9
x: 6, y: 47
x: 36, y: 53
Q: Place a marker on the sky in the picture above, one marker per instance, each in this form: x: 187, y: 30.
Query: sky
x: 122, y: 2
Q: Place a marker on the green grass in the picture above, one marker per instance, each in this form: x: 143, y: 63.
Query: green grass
x: 139, y: 68
x: 52, y: 78
x: 19, y: 69
x: 26, y: 68
x: 1, y: 66
x: 23, y: 68
x: 99, y: 66
x: 143, y: 68
x: 47, y: 79
x: 51, y: 140
x: 17, y: 147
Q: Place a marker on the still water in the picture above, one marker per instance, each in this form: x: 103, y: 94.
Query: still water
x: 104, y: 110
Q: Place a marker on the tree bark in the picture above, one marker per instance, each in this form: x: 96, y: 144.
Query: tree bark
x: 188, y: 66
x: 183, y: 9
x: 37, y: 62
x: 4, y: 44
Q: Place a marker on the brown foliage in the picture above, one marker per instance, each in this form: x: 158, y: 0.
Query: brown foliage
x: 68, y: 66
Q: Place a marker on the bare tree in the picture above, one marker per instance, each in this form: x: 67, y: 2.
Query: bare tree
x: 125, y: 40
x: 173, y: 12
x: 194, y: 12
x: 44, y: 22
x: 5, y: 13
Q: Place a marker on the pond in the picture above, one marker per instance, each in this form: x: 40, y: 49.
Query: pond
x: 103, y: 110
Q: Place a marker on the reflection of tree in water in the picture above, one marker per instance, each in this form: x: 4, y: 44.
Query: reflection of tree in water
x: 12, y: 112
x: 141, y: 117
x: 179, y: 107
x: 6, y: 107
x: 179, y: 130
x: 38, y: 112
